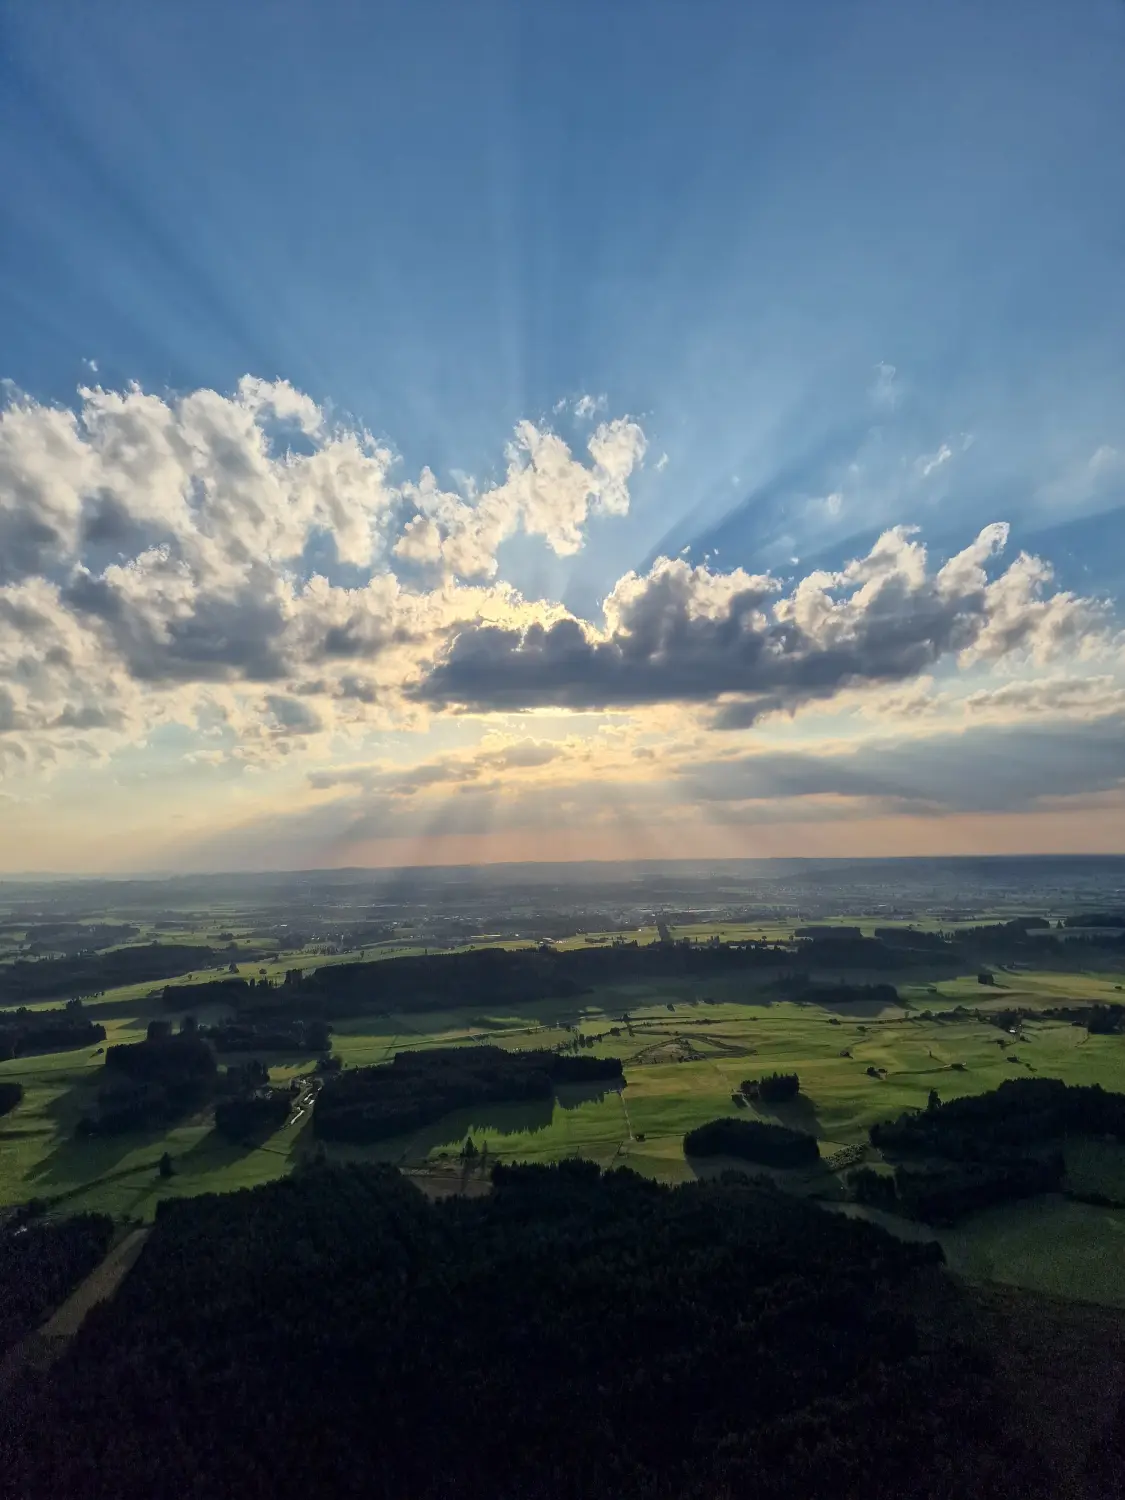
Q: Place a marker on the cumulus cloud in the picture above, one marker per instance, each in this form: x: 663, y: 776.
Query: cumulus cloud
x: 154, y: 569
x: 683, y: 633
x: 292, y: 716
x: 201, y: 476
x: 547, y: 493
x: 152, y: 546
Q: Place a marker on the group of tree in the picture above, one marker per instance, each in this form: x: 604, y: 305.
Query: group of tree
x: 28, y: 980
x: 914, y: 937
x: 41, y: 1262
x: 243, y: 1078
x: 228, y: 990
x: 569, y: 1334
x: 1022, y: 1113
x: 25, y: 1031
x: 811, y: 966
x: 152, y: 1082
x: 417, y: 1088
x: 753, y: 1140
x: 773, y: 1088
x: 242, y: 1035
x: 848, y: 949
x: 68, y: 938
x: 984, y: 1149
x: 818, y: 930
x: 11, y: 1092
x: 1099, y: 1018
x: 500, y: 976
x: 942, y: 1194
x: 806, y: 992
x: 253, y: 1113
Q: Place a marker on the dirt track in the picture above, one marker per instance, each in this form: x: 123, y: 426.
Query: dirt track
x: 44, y: 1346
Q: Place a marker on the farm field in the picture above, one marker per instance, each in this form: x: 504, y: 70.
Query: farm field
x: 684, y: 1059
x: 685, y: 1048
x: 1049, y: 1244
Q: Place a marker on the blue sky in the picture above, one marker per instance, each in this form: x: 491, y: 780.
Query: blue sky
x: 848, y: 266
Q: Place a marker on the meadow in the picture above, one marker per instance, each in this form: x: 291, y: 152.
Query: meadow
x: 685, y: 1047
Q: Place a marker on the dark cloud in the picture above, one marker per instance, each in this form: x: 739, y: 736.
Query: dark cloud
x: 9, y: 719
x: 292, y: 716
x: 216, y: 637
x: 28, y: 545
x: 684, y: 634
x: 89, y: 716
x: 990, y: 769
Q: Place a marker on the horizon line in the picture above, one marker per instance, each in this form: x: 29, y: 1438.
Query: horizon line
x: 157, y: 876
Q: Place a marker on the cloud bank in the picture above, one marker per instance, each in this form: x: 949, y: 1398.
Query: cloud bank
x: 264, y: 579
x: 152, y: 547
x: 684, y: 633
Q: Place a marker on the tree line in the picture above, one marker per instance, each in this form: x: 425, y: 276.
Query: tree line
x: 24, y: 1031
x: 974, y: 1152
x: 1020, y: 1113
x: 418, y: 1088
x: 753, y: 1140
x: 90, y: 973
x: 243, y: 1035
x: 150, y: 1083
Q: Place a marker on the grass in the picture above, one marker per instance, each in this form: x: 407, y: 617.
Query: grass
x: 686, y: 1048
x: 1046, y: 1244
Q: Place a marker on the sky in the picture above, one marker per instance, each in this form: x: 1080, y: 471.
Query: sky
x: 442, y: 433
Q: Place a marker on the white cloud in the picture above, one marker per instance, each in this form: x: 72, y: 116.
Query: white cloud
x: 1096, y: 481
x: 927, y: 463
x: 152, y: 573
x: 150, y: 551
x: 1050, y: 697
x: 547, y: 492
x: 1107, y: 460
x: 883, y: 391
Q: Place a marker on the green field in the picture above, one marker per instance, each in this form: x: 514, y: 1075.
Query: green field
x: 685, y: 1048
x: 1048, y: 1244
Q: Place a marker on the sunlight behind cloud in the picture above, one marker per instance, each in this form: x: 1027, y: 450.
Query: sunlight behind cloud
x: 157, y: 600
